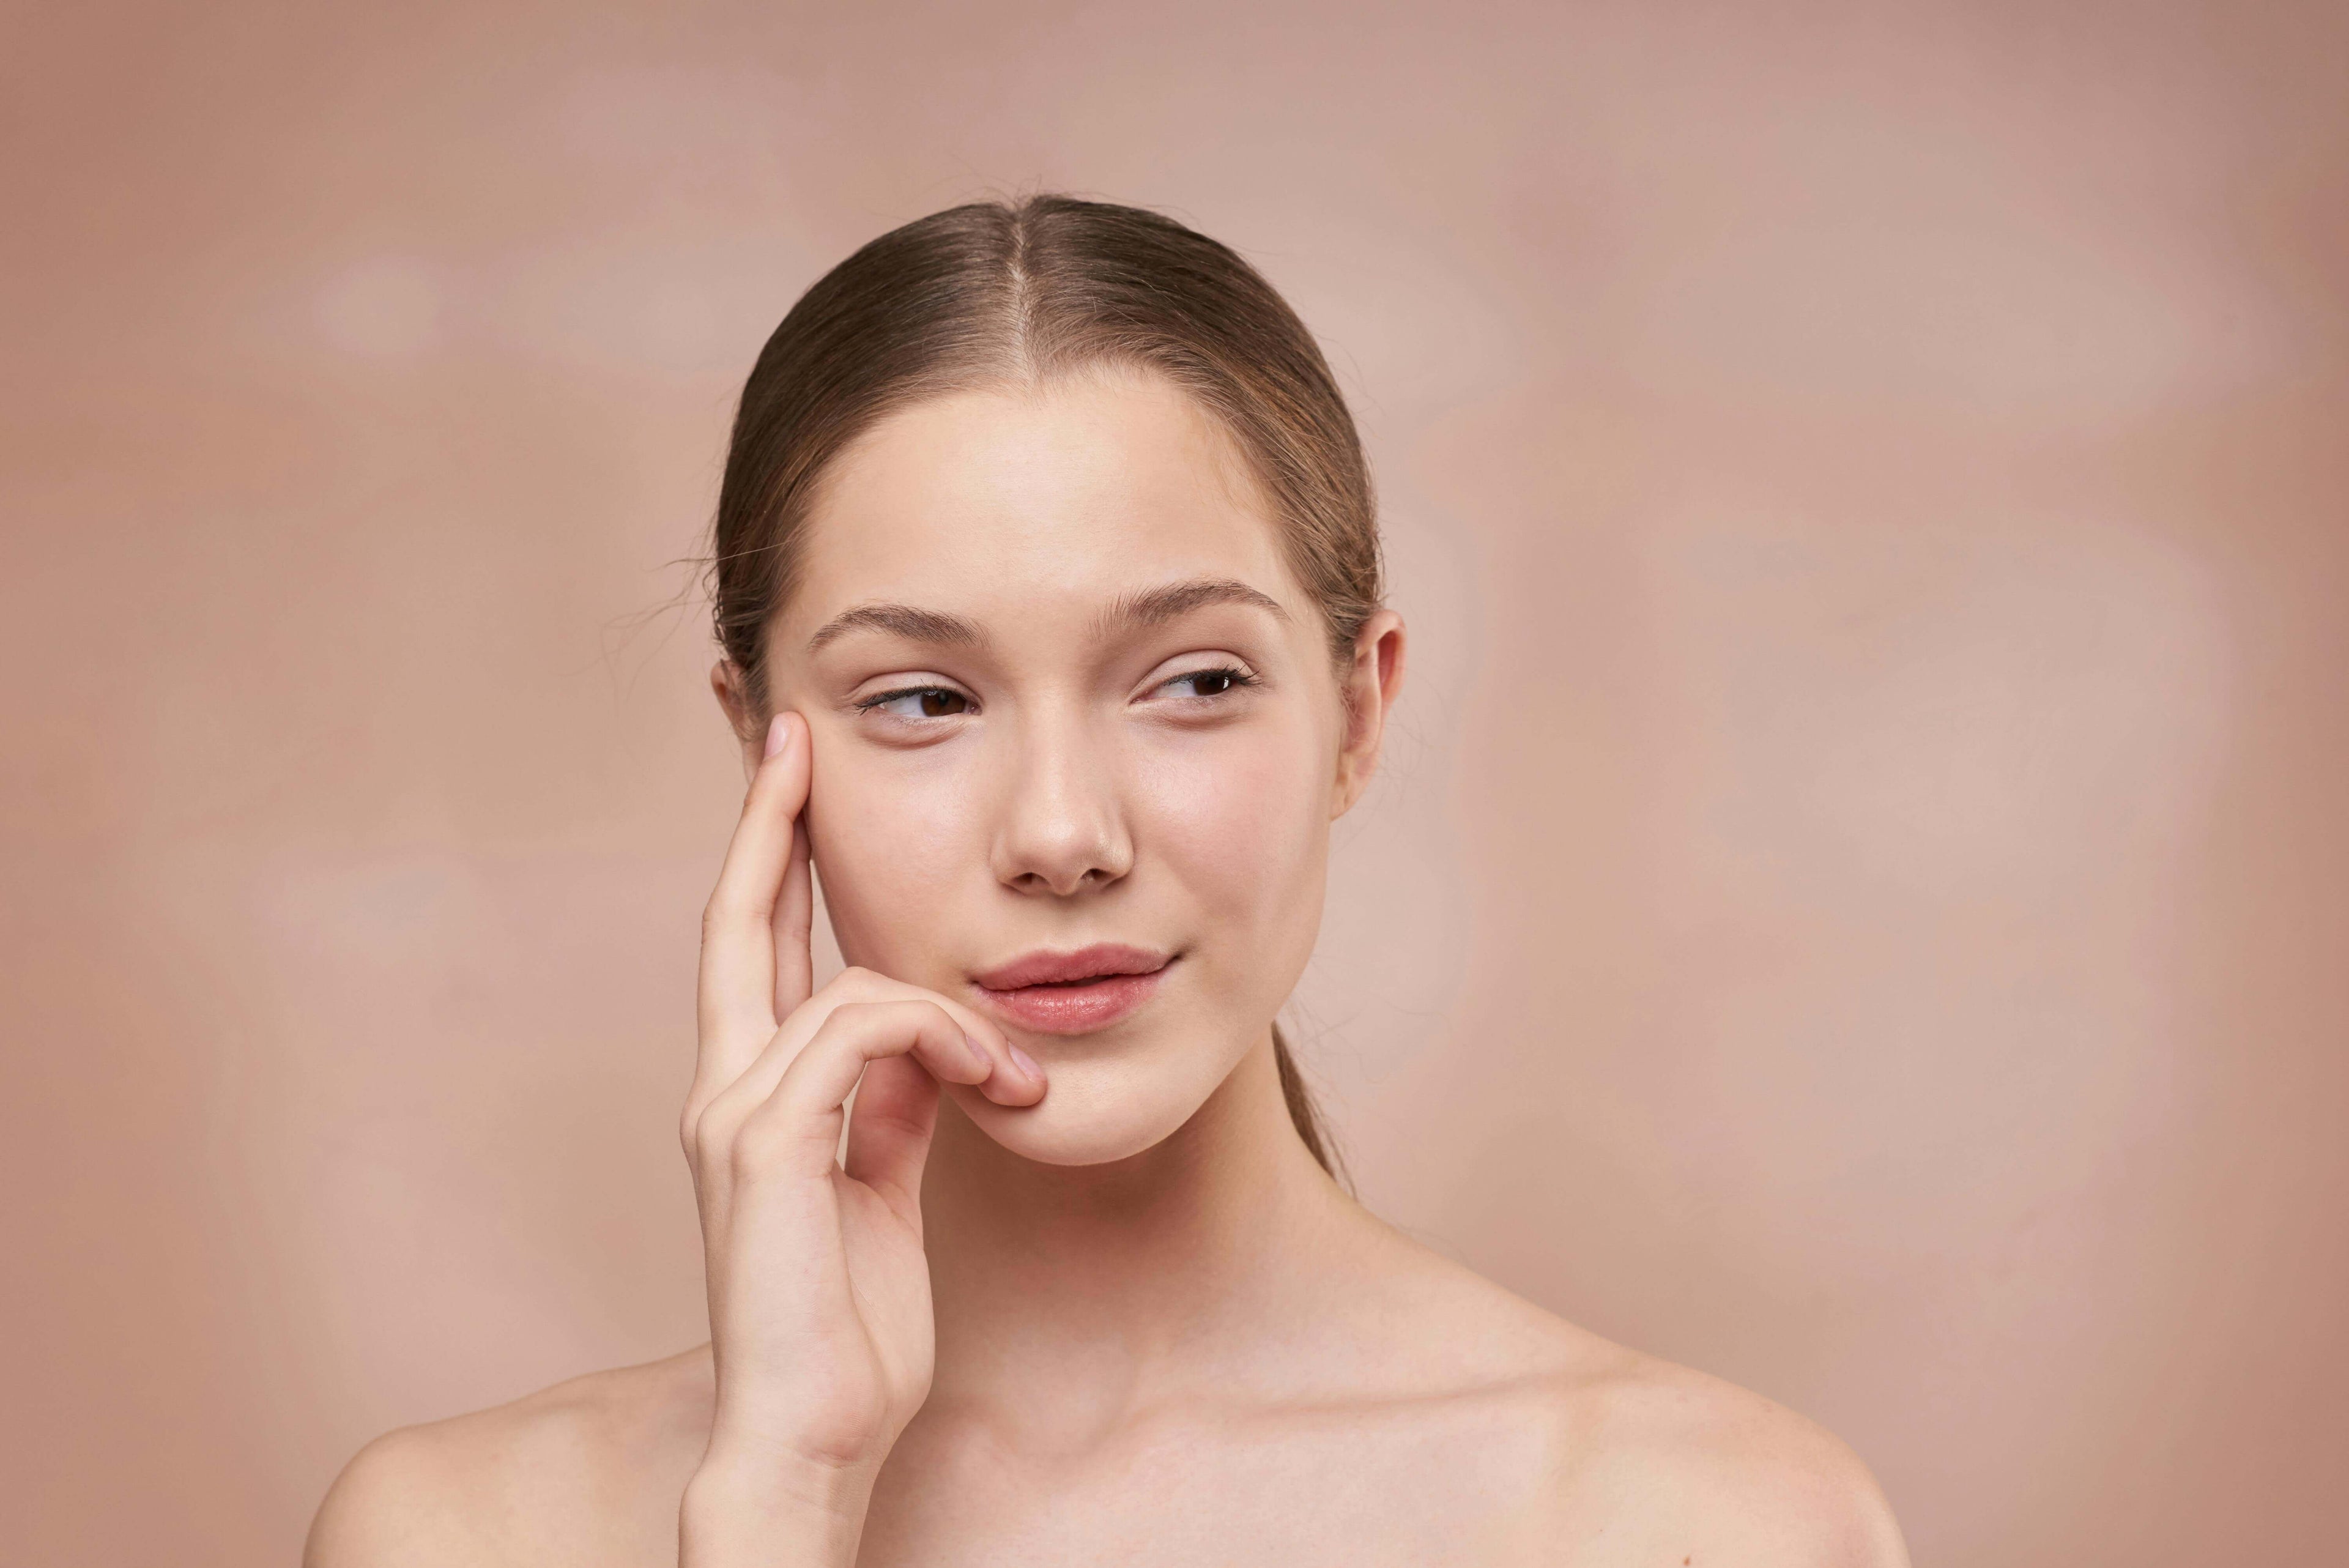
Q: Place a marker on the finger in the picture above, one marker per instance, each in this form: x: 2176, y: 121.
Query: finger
x: 1009, y: 1084
x: 794, y: 926
x: 736, y: 991
x: 798, y: 1126
x: 889, y: 1132
x: 1015, y: 1081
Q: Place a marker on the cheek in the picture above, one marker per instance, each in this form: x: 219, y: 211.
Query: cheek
x: 1241, y: 817
x: 888, y: 842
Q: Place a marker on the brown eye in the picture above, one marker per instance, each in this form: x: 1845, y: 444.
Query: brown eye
x: 1212, y: 682
x: 917, y: 702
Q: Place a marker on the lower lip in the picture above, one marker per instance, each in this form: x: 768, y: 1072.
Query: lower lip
x: 1073, y: 1009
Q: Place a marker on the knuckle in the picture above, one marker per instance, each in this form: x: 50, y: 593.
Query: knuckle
x: 693, y: 1126
x: 728, y: 905
x: 943, y: 1025
x: 847, y: 1018
x: 711, y: 1144
x: 833, y: 992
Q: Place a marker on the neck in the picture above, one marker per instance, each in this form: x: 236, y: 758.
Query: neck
x: 1086, y: 1292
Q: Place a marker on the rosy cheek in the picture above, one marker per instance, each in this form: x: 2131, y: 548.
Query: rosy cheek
x: 1233, y: 816
x: 890, y: 842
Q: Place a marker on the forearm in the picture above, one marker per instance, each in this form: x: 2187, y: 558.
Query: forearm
x: 744, y: 1512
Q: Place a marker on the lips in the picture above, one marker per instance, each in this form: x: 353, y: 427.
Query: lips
x: 1071, y: 993
x: 1064, y: 969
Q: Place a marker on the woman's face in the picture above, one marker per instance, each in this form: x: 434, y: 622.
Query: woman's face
x: 1062, y: 692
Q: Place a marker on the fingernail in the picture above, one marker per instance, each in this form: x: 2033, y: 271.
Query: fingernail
x: 1027, y: 1064
x: 776, y: 734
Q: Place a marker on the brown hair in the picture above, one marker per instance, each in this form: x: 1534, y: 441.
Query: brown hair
x: 993, y: 292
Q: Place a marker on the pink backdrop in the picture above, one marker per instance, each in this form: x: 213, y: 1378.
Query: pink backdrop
x: 1855, y: 903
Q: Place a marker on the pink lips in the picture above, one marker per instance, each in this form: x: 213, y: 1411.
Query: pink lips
x: 1072, y: 994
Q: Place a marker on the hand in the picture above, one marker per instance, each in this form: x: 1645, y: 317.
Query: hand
x: 819, y: 1292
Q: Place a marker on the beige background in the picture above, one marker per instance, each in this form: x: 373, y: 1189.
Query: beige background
x: 1857, y: 904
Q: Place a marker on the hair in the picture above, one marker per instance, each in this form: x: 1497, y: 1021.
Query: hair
x: 994, y: 293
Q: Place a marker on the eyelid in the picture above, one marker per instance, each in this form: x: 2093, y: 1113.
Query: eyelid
x: 1243, y: 677
x: 1213, y: 664
x: 873, y: 700
x: 1209, y: 656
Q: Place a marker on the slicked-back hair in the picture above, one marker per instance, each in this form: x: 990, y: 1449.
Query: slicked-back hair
x: 994, y: 294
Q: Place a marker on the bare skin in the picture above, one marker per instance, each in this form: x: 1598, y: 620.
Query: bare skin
x: 1111, y: 1311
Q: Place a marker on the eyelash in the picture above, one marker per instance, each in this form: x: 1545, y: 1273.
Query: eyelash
x: 1239, y: 677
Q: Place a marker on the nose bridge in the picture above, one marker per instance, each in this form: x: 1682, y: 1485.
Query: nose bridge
x: 1061, y: 822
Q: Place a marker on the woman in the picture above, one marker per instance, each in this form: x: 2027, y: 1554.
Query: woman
x: 1048, y: 587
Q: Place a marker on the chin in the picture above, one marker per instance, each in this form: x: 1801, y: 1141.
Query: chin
x: 1087, y: 1117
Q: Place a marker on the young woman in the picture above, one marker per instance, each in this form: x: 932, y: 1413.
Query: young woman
x: 1049, y: 589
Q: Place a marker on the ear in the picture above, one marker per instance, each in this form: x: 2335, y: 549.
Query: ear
x: 733, y: 689
x: 1368, y: 692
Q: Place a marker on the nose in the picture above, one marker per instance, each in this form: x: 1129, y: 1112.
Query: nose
x: 1061, y: 829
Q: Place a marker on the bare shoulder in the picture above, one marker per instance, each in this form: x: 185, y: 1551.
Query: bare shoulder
x: 586, y: 1472
x: 1699, y: 1469
x: 1648, y: 1461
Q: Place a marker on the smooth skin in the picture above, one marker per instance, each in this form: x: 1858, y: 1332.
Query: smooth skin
x: 1105, y: 1308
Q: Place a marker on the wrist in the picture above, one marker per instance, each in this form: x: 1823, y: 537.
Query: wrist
x: 747, y: 1509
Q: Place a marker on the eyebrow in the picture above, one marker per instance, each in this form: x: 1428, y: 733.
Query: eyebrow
x: 913, y: 623
x: 1146, y: 606
x: 1155, y: 606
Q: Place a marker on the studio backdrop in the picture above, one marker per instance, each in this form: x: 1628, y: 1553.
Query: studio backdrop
x: 1854, y: 902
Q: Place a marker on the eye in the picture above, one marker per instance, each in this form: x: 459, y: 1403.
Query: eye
x: 1213, y: 683
x: 917, y: 702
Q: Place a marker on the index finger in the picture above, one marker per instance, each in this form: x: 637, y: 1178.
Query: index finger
x: 736, y: 987
x: 1009, y: 1083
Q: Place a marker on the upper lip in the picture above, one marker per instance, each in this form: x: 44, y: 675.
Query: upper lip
x: 1085, y: 963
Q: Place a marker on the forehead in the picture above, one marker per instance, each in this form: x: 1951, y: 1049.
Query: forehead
x: 1025, y: 499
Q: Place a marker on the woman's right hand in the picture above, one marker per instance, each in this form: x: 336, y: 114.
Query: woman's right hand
x: 819, y: 1292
